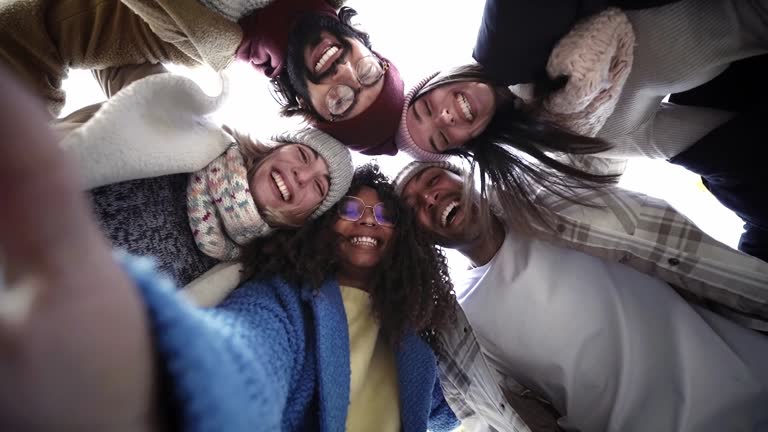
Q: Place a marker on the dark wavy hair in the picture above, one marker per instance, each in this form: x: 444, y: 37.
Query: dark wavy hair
x: 412, y: 288
x: 520, y: 155
x: 288, y: 96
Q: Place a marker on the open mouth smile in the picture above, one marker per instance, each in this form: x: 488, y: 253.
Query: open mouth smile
x: 449, y: 213
x: 327, y: 55
x: 364, y: 241
x: 466, y: 109
x: 280, y: 183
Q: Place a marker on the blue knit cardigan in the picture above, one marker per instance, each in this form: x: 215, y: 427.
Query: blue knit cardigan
x: 274, y: 357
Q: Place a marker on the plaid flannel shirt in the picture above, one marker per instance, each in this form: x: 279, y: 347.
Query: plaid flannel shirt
x: 642, y: 232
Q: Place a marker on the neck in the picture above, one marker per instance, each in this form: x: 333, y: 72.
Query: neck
x: 357, y: 278
x: 481, y: 250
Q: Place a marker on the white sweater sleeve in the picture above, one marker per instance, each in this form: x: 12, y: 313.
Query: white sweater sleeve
x: 213, y: 286
x: 156, y: 126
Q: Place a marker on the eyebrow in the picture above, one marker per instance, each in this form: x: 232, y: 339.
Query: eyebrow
x: 313, y: 152
x: 418, y: 176
x: 433, y: 145
x: 415, y: 111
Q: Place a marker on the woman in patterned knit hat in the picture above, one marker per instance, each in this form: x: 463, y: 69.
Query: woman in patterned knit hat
x: 589, y: 79
x: 167, y: 182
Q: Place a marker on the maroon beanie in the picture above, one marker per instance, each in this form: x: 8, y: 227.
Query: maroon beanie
x: 372, y: 132
x: 265, y: 32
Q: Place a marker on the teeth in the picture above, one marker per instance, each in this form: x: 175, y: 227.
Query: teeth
x: 465, y: 107
x: 324, y: 58
x: 447, y: 211
x: 281, y: 186
x: 364, y: 241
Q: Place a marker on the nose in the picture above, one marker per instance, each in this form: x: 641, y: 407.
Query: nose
x: 368, y: 217
x: 429, y: 199
x: 302, y: 175
x: 345, y: 74
x: 445, y: 118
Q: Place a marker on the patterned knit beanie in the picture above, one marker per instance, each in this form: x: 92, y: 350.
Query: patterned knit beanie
x: 406, y: 174
x: 222, y: 213
x: 403, y: 138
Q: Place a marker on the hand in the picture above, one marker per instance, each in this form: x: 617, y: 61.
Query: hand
x: 75, y: 350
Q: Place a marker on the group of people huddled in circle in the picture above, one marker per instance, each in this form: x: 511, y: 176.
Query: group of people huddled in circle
x: 163, y: 272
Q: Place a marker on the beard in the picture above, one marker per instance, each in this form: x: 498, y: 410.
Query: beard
x: 307, y: 32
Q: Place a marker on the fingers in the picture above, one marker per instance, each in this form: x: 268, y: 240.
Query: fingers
x: 44, y: 219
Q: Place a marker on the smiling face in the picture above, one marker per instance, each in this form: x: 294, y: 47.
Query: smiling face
x: 435, y: 195
x: 332, y: 62
x: 362, y: 243
x: 448, y: 116
x: 322, y: 53
x: 291, y: 181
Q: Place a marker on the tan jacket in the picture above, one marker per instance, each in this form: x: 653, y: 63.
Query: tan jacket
x: 41, y: 39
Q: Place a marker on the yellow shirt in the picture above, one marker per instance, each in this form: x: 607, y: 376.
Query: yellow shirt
x: 374, y: 400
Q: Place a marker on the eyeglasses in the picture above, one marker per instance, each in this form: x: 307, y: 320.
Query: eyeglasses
x: 352, y: 209
x: 368, y: 71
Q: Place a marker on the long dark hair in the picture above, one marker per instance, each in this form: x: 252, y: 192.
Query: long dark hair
x: 288, y: 96
x: 412, y: 287
x: 519, y: 156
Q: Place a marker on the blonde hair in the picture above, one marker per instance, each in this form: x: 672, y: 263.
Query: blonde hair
x: 254, y: 152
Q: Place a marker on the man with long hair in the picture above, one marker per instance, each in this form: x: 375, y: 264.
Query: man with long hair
x: 616, y: 322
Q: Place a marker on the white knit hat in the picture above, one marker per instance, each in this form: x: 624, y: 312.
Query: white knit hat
x: 403, y: 138
x: 337, y: 157
x: 406, y: 174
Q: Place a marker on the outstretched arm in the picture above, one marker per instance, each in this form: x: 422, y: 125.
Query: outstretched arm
x: 81, y: 347
x: 75, y: 349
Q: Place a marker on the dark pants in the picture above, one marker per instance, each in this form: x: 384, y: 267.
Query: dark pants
x: 731, y: 159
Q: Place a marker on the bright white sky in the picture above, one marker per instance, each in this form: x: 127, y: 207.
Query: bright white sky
x: 421, y: 37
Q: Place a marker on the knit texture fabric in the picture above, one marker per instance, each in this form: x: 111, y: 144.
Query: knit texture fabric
x: 409, y: 171
x: 337, y: 157
x: 596, y: 56
x: 403, y: 138
x: 679, y: 47
x: 372, y: 132
x: 148, y: 217
x: 273, y: 357
x: 222, y: 213
x: 266, y: 32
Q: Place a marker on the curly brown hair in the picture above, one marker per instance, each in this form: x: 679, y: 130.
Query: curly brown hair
x: 412, y: 287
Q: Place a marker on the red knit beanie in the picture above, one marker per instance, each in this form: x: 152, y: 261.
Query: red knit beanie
x: 372, y: 132
x: 265, y: 32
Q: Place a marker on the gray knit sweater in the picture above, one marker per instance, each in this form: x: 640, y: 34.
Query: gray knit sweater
x: 149, y: 217
x: 678, y: 47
